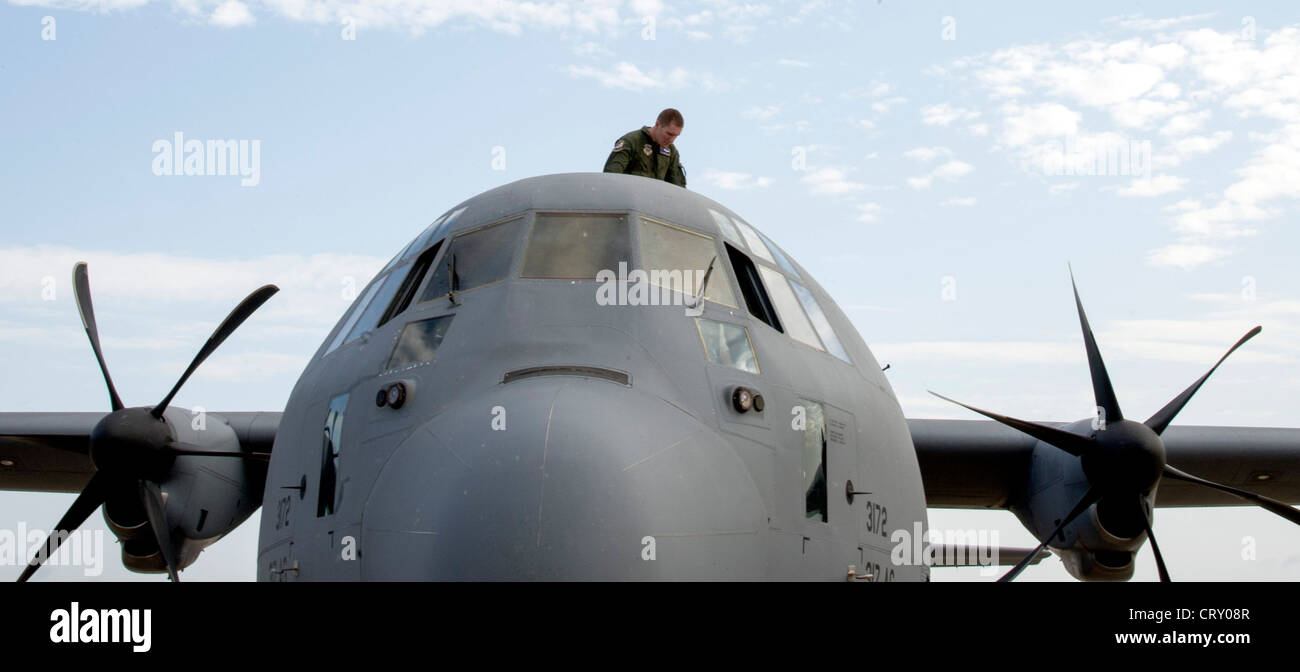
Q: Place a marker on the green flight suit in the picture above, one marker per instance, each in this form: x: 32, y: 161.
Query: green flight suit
x: 637, y: 154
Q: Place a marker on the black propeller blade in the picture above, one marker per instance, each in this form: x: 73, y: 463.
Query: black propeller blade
x: 1160, y: 421
x: 1101, y: 387
x: 152, y: 499
x: 95, y: 493
x: 81, y: 288
x: 236, y: 317
x: 1280, y: 508
x: 1155, y: 548
x: 1089, y: 498
x: 1068, y: 441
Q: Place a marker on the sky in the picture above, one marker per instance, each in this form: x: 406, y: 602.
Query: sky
x: 935, y: 165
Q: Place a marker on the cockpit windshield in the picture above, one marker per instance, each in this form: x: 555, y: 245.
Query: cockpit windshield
x: 576, y: 246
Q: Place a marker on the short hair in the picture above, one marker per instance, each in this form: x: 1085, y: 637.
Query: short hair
x: 670, y: 117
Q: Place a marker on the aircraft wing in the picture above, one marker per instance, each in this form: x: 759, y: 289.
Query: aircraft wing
x: 982, y: 464
x: 49, y: 452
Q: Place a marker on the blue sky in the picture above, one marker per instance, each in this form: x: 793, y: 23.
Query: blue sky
x: 894, y: 162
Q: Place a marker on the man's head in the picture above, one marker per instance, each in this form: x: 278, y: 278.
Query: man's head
x: 667, y: 127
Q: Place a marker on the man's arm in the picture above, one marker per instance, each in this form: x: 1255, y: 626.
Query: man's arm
x: 620, y: 157
x: 676, y: 172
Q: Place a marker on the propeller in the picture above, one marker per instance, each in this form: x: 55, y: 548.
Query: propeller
x: 134, y: 447
x: 1124, y: 460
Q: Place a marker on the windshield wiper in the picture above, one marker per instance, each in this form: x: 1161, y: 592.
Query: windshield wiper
x: 704, y: 284
x: 453, y: 280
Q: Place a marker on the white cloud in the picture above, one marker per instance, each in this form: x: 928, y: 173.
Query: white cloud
x: 647, y: 7
x: 944, y: 114
x: 882, y: 106
x: 590, y: 49
x: 1183, y: 124
x: 155, y: 310
x: 740, y: 34
x: 627, y: 76
x: 953, y: 170
x: 1101, y: 85
x: 1023, y: 125
x: 316, y: 283
x: 1063, y: 188
x: 1144, y: 113
x: 1185, y: 256
x: 831, y: 181
x: 1154, y: 186
x: 735, y: 181
x: 766, y: 112
x: 1174, y: 78
x: 1201, y: 144
x: 965, y: 202
x: 926, y: 153
x: 791, y: 63
x: 1138, y: 22
x: 869, y: 212
x: 737, y: 21
x: 232, y: 13
x: 950, y: 170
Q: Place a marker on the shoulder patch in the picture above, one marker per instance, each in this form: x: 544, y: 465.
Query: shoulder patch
x: 665, y: 151
x: 618, y: 145
x: 647, y: 149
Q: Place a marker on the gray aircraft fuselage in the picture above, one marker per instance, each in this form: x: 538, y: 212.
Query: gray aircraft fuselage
x: 542, y: 434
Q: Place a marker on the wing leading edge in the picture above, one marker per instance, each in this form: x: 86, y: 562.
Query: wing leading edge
x: 980, y: 464
x: 49, y: 452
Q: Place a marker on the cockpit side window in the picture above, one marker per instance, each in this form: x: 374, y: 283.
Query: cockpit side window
x: 819, y: 321
x: 725, y: 226
x: 781, y: 259
x: 756, y: 245
x: 377, y: 307
x: 410, y: 284
x: 357, y: 308
x: 572, y: 246
x: 419, y: 342
x: 788, y: 307
x: 474, y: 259
x: 727, y: 344
x: 751, y: 287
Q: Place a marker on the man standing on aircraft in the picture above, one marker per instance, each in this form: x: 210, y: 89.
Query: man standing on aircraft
x: 649, y: 152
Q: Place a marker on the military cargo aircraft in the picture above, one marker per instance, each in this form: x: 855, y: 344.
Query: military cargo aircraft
x: 593, y: 376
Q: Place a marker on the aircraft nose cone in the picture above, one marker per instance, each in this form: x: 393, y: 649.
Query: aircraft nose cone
x: 562, y: 478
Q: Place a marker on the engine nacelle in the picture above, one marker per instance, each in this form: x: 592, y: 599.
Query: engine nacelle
x: 1100, y: 544
x: 204, y: 497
